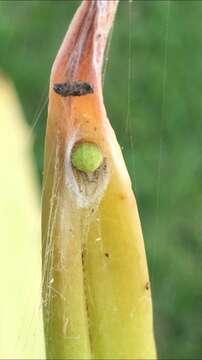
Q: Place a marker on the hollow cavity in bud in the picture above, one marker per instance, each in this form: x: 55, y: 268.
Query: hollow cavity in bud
x: 86, y: 157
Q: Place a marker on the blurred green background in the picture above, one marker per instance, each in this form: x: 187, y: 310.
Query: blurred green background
x: 153, y: 95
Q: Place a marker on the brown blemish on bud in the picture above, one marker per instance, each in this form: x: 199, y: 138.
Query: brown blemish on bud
x: 147, y: 286
x: 122, y: 196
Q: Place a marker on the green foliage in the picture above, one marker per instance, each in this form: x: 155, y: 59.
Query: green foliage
x: 154, y: 103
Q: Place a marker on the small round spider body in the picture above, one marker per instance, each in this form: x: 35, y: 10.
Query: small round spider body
x: 86, y: 157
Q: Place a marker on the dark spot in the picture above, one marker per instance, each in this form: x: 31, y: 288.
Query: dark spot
x: 107, y: 255
x: 87, y: 309
x: 105, y: 166
x: 95, y: 128
x: 92, y: 210
x: 76, y: 88
x: 147, y: 286
x: 82, y: 256
x: 122, y: 196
